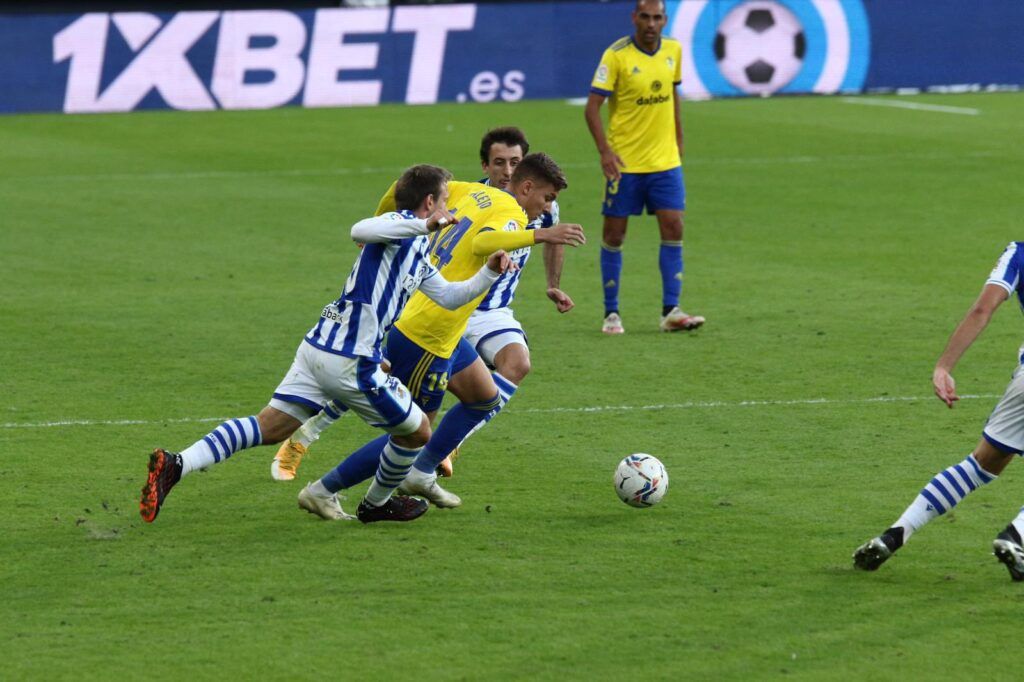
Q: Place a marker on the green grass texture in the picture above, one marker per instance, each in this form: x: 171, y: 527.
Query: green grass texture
x: 159, y: 269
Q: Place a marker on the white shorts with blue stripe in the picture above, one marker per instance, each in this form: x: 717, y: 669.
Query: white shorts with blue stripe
x: 489, y: 331
x: 317, y: 377
x: 1005, y: 427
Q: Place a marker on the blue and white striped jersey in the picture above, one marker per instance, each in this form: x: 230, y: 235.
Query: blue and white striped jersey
x: 504, y: 290
x: 1007, y: 272
x: 382, y: 279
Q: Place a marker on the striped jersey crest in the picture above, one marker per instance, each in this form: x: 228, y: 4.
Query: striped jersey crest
x: 376, y: 291
x: 503, y: 290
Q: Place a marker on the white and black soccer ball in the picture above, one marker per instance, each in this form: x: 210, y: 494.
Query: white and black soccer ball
x: 760, y: 46
x: 641, y: 480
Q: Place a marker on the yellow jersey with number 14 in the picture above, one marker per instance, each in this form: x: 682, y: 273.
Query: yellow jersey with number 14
x: 642, y: 109
x: 477, y: 209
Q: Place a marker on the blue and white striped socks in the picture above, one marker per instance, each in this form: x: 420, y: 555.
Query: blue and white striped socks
x: 943, y: 493
x: 224, y: 441
x: 395, y: 463
x: 506, y: 389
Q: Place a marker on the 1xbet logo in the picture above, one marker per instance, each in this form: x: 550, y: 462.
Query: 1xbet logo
x: 262, y: 58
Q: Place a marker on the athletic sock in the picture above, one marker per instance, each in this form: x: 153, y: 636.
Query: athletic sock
x: 1016, y: 526
x: 224, y: 441
x: 310, y: 431
x: 395, y: 463
x: 1018, y: 523
x: 670, y: 262
x: 458, y: 422
x: 506, y: 389
x: 943, y: 493
x: 611, y: 273
x: 357, y: 467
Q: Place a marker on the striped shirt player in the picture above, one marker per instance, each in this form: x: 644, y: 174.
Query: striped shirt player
x: 493, y: 325
x: 340, y: 356
x: 1002, y: 437
x: 338, y: 360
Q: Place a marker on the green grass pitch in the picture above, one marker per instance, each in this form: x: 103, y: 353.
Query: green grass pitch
x: 158, y: 270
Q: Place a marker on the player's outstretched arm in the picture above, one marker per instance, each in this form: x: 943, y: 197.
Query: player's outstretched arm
x: 977, y: 318
x: 391, y: 226
x: 489, y: 240
x: 452, y: 295
x: 387, y: 227
x: 562, y: 233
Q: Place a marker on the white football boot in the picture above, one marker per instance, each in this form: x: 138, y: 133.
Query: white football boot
x: 612, y: 324
x: 677, y: 320
x: 326, y: 507
x: 425, y: 485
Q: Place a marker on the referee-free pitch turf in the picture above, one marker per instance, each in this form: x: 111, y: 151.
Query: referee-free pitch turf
x: 159, y: 269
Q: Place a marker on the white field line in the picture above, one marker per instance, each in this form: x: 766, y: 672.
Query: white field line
x: 899, y: 104
x: 394, y: 171
x: 696, y: 404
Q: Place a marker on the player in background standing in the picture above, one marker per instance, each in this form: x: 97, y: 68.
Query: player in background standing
x: 339, y: 359
x: 426, y: 347
x: 641, y: 156
x: 1001, y: 438
x: 492, y: 330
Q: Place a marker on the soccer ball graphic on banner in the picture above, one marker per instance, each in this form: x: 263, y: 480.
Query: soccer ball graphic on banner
x: 760, y: 46
x: 641, y: 480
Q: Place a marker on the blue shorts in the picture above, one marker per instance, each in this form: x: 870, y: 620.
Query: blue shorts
x: 662, y: 191
x: 423, y: 373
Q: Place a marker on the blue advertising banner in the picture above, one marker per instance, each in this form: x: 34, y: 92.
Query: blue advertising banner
x: 200, y: 60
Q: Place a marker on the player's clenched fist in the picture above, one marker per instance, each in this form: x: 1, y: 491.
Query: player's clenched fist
x: 563, y: 233
x: 439, y: 219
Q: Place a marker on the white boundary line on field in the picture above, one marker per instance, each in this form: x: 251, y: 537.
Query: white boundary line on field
x: 695, y: 404
x: 392, y: 171
x: 899, y: 104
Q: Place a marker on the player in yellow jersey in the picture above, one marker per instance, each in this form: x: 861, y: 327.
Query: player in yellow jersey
x: 492, y: 330
x: 426, y: 348
x: 641, y: 156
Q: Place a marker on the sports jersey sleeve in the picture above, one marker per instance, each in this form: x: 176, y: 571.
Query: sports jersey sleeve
x: 678, y: 77
x: 453, y: 295
x: 606, y: 75
x: 1007, y: 271
x: 387, y: 202
x: 387, y: 227
x: 488, y: 241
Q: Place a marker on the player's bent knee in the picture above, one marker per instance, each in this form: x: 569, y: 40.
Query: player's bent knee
x: 990, y: 458
x: 516, y: 370
x: 417, y: 438
x: 276, y: 425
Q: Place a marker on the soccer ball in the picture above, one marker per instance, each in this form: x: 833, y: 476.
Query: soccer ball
x: 760, y: 46
x: 641, y: 480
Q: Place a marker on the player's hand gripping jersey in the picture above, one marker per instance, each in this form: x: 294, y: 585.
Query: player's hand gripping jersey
x: 488, y: 219
x: 639, y: 87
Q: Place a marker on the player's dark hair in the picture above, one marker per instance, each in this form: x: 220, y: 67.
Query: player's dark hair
x: 509, y: 136
x: 417, y: 183
x: 640, y: 2
x: 540, y: 167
